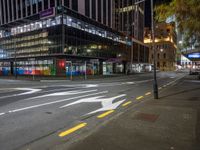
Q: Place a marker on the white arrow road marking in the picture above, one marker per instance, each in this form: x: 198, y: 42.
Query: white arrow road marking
x: 109, y: 107
x: 30, y: 91
x: 62, y: 94
x: 107, y: 103
x: 54, y: 102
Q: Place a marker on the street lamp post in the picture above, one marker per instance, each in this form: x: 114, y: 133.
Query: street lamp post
x: 15, y: 58
x: 155, y: 85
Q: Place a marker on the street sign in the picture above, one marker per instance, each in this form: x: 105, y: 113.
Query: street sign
x: 194, y: 55
x: 47, y: 13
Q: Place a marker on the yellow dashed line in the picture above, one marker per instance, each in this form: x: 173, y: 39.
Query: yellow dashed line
x: 67, y: 132
x: 148, y: 93
x: 105, y: 114
x: 140, y: 97
x: 127, y: 103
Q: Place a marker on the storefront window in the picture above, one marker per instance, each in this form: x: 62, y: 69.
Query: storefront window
x: 48, y: 22
x: 69, y: 21
x: 58, y: 20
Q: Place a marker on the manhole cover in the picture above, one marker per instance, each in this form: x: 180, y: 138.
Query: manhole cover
x: 147, y: 117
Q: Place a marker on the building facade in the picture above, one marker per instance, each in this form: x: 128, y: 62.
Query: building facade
x: 99, y: 10
x: 129, y: 18
x: 61, y: 37
x: 165, y: 45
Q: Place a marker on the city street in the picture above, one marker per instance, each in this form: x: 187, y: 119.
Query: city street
x: 37, y: 115
x: 99, y: 75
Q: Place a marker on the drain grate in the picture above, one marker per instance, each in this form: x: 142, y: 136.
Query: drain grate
x: 147, y: 117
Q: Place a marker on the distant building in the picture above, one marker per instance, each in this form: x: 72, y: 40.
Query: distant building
x: 129, y: 18
x: 165, y: 45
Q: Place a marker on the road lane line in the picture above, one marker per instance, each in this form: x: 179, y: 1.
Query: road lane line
x: 55, y: 90
x: 62, y: 94
x: 140, y: 97
x: 148, y: 93
x: 54, y: 102
x: 105, y: 114
x: 2, y: 114
x: 30, y: 91
x: 69, y: 131
x: 127, y: 103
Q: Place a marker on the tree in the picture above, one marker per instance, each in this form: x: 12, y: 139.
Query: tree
x: 187, y: 14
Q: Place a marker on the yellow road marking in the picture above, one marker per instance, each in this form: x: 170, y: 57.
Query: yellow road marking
x: 105, y: 114
x: 148, y: 93
x: 67, y: 132
x: 127, y: 103
x: 140, y: 97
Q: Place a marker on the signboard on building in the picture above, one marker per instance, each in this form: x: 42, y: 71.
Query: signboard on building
x: 114, y: 60
x: 94, y: 60
x: 194, y: 55
x: 47, y: 13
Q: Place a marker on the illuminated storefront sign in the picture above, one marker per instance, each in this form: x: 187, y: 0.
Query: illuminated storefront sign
x: 47, y: 13
x: 194, y: 55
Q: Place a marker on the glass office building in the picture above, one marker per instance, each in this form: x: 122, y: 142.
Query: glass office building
x: 65, y: 43
x: 64, y: 37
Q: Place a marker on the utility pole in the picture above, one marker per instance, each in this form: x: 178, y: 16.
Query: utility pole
x: 155, y: 85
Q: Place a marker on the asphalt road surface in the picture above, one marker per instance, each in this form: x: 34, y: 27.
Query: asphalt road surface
x: 41, y: 115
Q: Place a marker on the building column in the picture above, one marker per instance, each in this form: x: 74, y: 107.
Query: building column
x: 114, y: 68
x: 100, y: 67
x: 12, y: 68
x: 124, y: 67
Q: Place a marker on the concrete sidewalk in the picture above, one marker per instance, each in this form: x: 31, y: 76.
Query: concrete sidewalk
x: 170, y: 123
x: 65, y: 78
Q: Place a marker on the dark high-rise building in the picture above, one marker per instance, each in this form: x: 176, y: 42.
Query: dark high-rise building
x: 64, y: 37
x: 129, y: 18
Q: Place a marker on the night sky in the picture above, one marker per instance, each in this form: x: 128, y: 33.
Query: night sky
x: 148, y: 10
